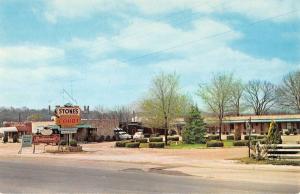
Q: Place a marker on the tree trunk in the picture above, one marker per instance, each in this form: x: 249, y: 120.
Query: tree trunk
x: 166, y: 130
x: 220, y: 129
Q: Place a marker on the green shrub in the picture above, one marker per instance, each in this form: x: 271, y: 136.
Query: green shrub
x: 295, y: 132
x: 260, y: 137
x: 240, y: 143
x: 107, y: 138
x: 73, y: 143
x: 156, y: 139
x: 155, y: 135
x: 146, y: 135
x: 132, y: 145
x: 173, y: 138
x: 230, y: 137
x: 246, y: 137
x: 213, y: 137
x: 144, y: 140
x: 156, y: 145
x: 215, y: 144
x: 287, y: 133
x: 122, y: 143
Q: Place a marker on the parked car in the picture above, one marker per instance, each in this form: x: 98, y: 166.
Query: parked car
x: 123, y: 135
x: 138, y: 135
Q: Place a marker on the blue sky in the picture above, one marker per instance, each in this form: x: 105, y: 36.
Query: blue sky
x: 106, y: 52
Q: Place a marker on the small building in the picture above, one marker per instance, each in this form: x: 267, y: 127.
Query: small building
x: 259, y: 123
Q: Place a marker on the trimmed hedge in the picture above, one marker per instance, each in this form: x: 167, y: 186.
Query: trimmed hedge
x: 156, y: 145
x: 230, y: 137
x: 287, y: 133
x: 213, y: 137
x: 173, y: 138
x: 246, y: 137
x: 215, y: 144
x: 156, y: 139
x: 295, y: 132
x: 260, y: 137
x: 133, y: 145
x: 122, y: 143
x: 146, y: 135
x: 144, y: 140
x: 155, y: 135
x: 107, y: 138
x: 240, y: 143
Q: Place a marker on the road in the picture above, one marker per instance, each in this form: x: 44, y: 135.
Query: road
x: 18, y: 176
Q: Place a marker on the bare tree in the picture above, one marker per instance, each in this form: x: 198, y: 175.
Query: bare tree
x: 289, y: 92
x: 260, y: 96
x: 123, y: 113
x: 217, y: 95
x: 164, y: 102
x: 236, y: 98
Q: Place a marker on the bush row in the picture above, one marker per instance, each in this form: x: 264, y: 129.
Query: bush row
x: 156, y: 145
x: 173, y: 138
x: 246, y: 142
x: 131, y: 144
x: 288, y: 133
x: 155, y: 139
x: 240, y: 143
x: 212, y: 137
x: 144, y: 140
x: 215, y: 144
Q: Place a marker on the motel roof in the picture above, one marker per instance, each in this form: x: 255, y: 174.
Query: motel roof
x: 262, y: 118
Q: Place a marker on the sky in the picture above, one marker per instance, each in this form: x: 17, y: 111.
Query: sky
x: 106, y: 52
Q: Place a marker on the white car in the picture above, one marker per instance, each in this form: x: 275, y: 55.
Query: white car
x: 123, y: 135
x: 138, y: 135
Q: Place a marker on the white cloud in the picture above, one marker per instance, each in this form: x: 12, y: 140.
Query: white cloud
x: 226, y: 59
x: 28, y: 54
x: 147, y: 35
x: 254, y: 9
x: 79, y: 8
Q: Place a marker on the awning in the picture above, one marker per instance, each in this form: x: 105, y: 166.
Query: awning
x: 8, y: 129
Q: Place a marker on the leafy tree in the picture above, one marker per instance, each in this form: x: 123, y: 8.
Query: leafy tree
x: 164, y: 103
x: 194, y: 131
x: 217, y: 96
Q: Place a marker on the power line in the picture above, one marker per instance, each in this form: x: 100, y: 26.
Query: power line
x: 206, y: 37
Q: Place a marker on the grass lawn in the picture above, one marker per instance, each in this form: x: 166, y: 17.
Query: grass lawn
x: 186, y: 146
x: 273, y: 162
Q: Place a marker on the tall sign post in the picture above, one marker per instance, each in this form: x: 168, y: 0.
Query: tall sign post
x: 68, y: 117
